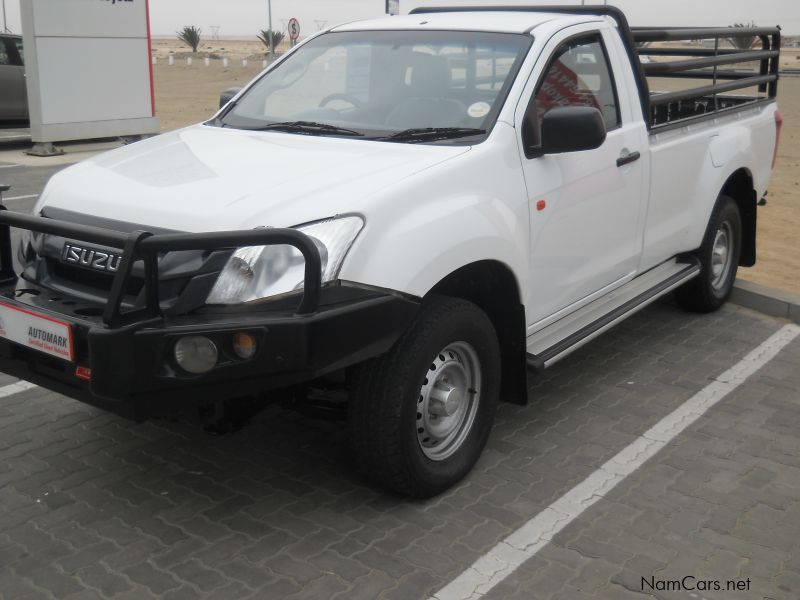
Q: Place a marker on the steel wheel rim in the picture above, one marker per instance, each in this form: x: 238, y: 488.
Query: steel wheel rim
x: 448, y: 401
x: 721, y: 256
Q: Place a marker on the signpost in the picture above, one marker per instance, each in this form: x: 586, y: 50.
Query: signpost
x: 269, y: 24
x: 89, y: 70
x: 294, y: 30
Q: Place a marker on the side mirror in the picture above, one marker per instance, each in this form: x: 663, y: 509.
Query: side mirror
x: 228, y: 95
x: 571, y: 129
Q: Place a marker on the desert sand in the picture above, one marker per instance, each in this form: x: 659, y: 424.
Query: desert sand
x: 778, y: 242
x: 232, y: 49
x: 189, y: 94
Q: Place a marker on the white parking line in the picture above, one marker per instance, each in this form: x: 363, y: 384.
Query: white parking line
x: 524, y: 543
x: 16, y: 388
x: 28, y: 197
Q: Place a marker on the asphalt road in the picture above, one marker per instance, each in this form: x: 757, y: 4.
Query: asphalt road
x: 93, y: 506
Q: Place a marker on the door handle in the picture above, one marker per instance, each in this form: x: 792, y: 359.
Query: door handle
x: 627, y: 159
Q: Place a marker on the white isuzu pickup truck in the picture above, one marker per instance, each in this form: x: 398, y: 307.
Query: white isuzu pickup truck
x: 414, y: 212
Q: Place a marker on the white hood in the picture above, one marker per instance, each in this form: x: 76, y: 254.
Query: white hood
x: 210, y: 179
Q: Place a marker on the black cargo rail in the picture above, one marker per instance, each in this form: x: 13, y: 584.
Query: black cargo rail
x: 660, y: 68
x: 708, y: 90
x: 674, y: 109
x: 146, y: 247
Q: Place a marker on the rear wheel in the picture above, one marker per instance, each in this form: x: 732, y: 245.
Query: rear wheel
x: 719, y: 260
x: 420, y: 414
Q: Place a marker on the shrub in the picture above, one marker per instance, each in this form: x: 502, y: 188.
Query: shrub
x: 190, y: 36
x: 277, y: 37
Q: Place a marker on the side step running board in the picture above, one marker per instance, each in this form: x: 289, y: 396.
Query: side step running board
x: 554, y: 342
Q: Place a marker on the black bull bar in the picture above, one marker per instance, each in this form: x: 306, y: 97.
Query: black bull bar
x: 146, y: 247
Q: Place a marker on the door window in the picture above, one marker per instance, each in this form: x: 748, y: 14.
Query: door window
x: 5, y: 57
x: 578, y: 75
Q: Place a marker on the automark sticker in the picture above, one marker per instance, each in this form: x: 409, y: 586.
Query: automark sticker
x: 41, y: 333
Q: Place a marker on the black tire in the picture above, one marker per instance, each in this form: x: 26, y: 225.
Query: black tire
x: 708, y: 291
x: 385, y: 427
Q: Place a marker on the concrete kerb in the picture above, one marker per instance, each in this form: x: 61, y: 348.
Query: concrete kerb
x: 772, y: 302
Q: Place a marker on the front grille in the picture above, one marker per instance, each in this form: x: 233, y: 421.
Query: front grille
x: 66, y: 274
x: 185, y: 277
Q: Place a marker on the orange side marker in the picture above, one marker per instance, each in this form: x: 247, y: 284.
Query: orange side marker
x: 541, y: 205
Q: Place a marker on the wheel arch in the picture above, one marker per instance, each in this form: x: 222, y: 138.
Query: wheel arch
x: 740, y: 187
x: 493, y: 287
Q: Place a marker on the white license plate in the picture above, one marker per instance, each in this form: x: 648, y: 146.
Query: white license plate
x: 41, y: 333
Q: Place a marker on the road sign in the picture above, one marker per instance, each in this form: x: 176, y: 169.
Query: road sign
x: 294, y: 29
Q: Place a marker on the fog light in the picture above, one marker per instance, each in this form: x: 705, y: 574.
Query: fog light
x: 244, y: 345
x: 196, y: 354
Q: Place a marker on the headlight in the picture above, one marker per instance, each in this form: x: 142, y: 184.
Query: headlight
x: 258, y: 272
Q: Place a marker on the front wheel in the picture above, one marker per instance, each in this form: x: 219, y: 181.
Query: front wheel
x: 420, y: 414
x: 719, y: 260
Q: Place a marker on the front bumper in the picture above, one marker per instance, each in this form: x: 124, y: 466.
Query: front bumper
x: 133, y: 372
x: 123, y: 356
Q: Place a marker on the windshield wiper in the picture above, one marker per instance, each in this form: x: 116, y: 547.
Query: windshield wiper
x: 306, y: 127
x: 425, y: 134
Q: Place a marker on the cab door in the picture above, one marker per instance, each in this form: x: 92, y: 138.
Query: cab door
x: 585, y: 207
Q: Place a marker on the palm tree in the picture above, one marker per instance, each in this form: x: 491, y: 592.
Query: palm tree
x: 277, y: 37
x: 190, y: 36
x: 743, y: 42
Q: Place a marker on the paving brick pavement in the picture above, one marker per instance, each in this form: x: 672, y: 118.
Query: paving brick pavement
x: 719, y: 504
x: 92, y: 506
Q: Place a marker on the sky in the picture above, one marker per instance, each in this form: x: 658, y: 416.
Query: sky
x: 242, y: 18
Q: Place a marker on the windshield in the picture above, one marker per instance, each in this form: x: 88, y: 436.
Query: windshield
x: 435, y: 84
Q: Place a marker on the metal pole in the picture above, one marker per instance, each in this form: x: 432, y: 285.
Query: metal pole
x: 5, y: 22
x: 271, y: 41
